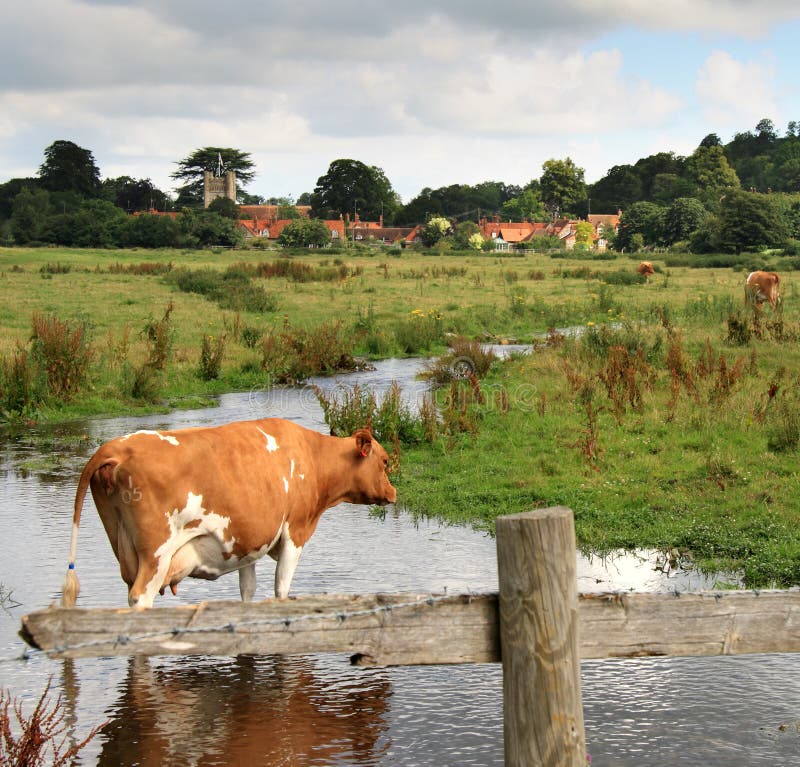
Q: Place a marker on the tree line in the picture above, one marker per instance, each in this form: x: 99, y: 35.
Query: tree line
x: 723, y: 197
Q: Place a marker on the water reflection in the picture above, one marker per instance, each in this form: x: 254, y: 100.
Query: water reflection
x: 245, y: 711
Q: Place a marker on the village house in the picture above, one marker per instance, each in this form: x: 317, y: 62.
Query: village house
x: 508, y: 235
x: 262, y: 221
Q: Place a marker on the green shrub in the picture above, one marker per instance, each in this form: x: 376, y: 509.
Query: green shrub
x: 62, y: 352
x: 420, y: 332
x: 596, y: 341
x: 464, y: 359
x: 250, y: 336
x: 783, y: 426
x: 140, y: 382
x: 294, y: 354
x: 391, y: 421
x: 158, y: 335
x: 211, y: 353
x: 232, y: 289
x: 19, y: 386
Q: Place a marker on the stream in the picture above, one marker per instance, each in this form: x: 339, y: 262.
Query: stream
x: 317, y: 709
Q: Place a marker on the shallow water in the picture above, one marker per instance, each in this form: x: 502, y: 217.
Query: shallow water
x: 318, y: 710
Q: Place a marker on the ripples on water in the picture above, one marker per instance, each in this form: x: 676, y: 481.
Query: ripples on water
x: 318, y: 710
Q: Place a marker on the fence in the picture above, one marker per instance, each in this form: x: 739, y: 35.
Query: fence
x: 537, y: 625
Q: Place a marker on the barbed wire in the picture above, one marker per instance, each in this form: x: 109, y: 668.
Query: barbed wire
x: 233, y: 627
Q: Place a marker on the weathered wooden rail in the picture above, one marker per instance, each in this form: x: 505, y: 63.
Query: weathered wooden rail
x: 537, y: 624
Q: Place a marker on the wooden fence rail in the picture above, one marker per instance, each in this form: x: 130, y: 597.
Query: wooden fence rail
x: 542, y: 626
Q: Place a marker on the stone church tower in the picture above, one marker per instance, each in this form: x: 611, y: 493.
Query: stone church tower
x: 218, y: 186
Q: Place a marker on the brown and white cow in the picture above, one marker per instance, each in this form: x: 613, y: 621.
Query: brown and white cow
x: 762, y: 286
x: 646, y: 269
x: 203, y: 502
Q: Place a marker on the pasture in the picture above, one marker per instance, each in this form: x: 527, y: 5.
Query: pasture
x: 672, y: 421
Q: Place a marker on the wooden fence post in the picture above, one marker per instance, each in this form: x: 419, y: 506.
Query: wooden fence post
x: 542, y: 709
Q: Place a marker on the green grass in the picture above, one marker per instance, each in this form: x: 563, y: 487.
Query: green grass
x: 697, y: 476
x: 697, y: 450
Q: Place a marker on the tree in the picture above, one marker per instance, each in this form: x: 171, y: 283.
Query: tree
x: 641, y: 222
x: 69, y: 168
x: 712, y: 139
x: 96, y: 224
x: 435, y: 230
x: 351, y: 187
x: 528, y: 205
x: 203, y: 228
x: 765, y: 131
x: 464, y: 233
x: 153, y: 231
x: 305, y: 233
x: 192, y: 168
x: 583, y: 234
x: 667, y: 187
x: 749, y: 220
x: 563, y: 187
x: 619, y: 188
x: 10, y: 190
x: 426, y: 204
x: 710, y: 169
x: 132, y: 194
x: 29, y: 215
x: 681, y: 219
x: 225, y: 208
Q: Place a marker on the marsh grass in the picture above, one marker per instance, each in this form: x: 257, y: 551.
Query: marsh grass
x: 682, y: 443
x: 41, y: 737
x: 686, y: 435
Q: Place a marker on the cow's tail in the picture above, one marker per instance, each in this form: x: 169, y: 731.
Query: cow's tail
x: 71, y: 586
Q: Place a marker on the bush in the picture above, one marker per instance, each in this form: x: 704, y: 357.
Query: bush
x: 250, y: 336
x: 465, y: 358
x: 63, y: 354
x: 232, y: 289
x: 140, y: 383
x: 293, y: 355
x: 420, y: 332
x: 391, y: 422
x: 211, y: 354
x: 783, y: 430
x: 19, y: 388
x: 43, y: 736
x: 158, y: 334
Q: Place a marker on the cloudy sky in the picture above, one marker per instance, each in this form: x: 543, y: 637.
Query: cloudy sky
x: 435, y: 92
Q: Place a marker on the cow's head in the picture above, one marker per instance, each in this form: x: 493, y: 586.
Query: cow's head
x: 370, y: 479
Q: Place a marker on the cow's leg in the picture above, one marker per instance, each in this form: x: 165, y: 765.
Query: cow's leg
x: 150, y: 578
x: 287, y: 563
x: 247, y: 582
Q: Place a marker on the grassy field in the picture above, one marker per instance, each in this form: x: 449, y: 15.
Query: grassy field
x: 672, y: 421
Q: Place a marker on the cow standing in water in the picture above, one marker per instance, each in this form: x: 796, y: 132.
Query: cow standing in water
x: 206, y: 501
x: 762, y: 286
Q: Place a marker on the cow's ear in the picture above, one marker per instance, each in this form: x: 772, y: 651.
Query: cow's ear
x: 363, y: 442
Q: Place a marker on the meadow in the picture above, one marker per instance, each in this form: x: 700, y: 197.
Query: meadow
x: 671, y: 420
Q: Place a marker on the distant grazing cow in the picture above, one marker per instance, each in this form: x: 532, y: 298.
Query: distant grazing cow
x: 762, y: 286
x: 646, y: 269
x: 204, y: 502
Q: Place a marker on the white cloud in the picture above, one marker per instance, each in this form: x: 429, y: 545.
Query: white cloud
x: 735, y: 93
x: 418, y: 89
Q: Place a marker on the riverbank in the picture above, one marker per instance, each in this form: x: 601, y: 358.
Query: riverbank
x: 652, y: 443
x: 670, y: 422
